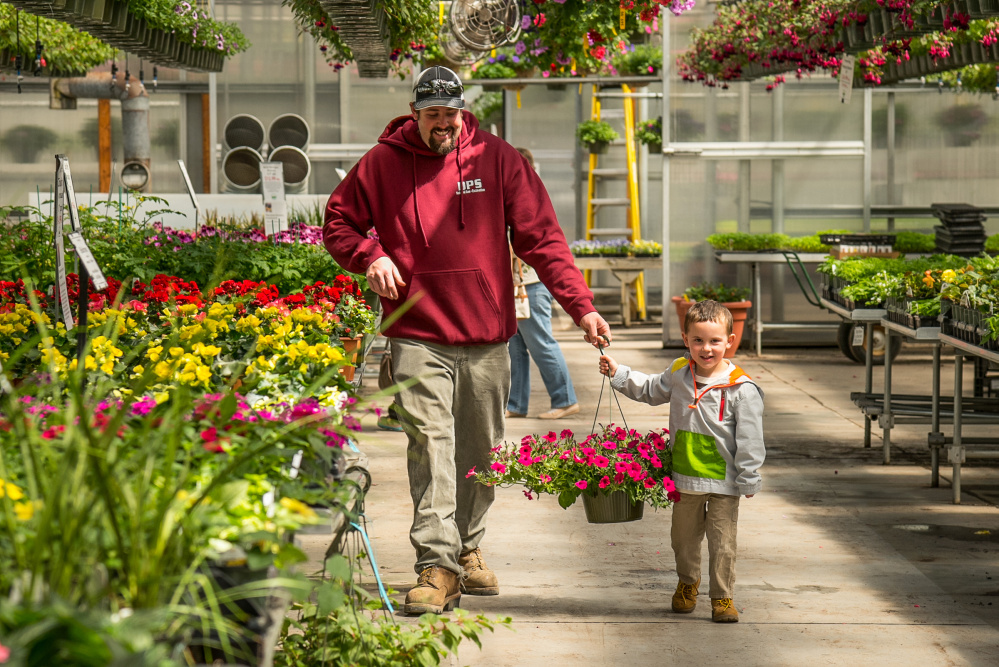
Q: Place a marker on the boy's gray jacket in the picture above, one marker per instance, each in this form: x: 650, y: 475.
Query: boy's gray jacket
x: 716, y: 432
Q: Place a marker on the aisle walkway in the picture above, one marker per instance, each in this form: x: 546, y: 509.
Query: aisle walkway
x: 842, y: 561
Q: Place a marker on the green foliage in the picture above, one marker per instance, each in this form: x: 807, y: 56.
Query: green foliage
x: 343, y: 627
x: 495, y: 70
x: 193, y: 25
x: 716, y: 292
x: 486, y: 105
x: 650, y: 132
x: 129, y: 249
x: 591, y: 132
x: 979, y: 79
x: 992, y: 244
x: 67, y: 50
x: 914, y: 242
x: 740, y: 241
x: 641, y: 60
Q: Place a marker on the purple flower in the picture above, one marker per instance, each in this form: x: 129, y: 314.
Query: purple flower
x: 525, y: 22
x: 520, y: 47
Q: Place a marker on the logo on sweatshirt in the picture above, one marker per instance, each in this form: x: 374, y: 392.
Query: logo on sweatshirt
x: 470, y: 187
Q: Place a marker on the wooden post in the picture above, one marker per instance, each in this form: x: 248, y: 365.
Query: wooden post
x: 207, y: 150
x: 104, y: 144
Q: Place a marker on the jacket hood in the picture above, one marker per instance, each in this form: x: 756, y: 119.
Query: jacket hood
x: 404, y: 133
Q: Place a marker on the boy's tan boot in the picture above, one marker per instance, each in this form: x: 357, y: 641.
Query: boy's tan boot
x: 685, y: 597
x: 479, y: 579
x: 437, y: 590
x: 723, y: 611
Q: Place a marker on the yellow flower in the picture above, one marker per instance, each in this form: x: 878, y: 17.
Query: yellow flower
x: 207, y: 350
x: 948, y: 276
x: 153, y: 353
x: 176, y: 351
x: 163, y: 370
x: 187, y: 309
x: 303, y: 369
x: 204, y: 374
x: 298, y: 507
x: 24, y: 511
x: 190, y: 331
x: 13, y: 491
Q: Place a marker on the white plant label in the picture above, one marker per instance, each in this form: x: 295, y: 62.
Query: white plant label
x: 846, y: 78
x: 88, y: 261
x: 191, y: 193
x: 5, y: 385
x: 858, y: 335
x: 272, y: 188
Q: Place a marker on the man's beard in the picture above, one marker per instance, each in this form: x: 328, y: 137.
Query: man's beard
x: 446, y: 146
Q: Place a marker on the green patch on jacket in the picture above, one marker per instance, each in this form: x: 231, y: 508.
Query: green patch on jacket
x: 696, y: 455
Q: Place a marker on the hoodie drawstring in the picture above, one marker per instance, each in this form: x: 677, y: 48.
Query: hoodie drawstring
x: 461, y: 199
x: 416, y: 205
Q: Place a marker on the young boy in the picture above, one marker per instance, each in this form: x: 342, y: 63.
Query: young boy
x: 716, y: 424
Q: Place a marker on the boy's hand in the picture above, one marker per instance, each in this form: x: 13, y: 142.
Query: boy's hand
x: 608, y: 366
x: 750, y: 495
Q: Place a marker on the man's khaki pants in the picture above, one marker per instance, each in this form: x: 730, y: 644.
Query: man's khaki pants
x: 714, y: 515
x: 453, y: 417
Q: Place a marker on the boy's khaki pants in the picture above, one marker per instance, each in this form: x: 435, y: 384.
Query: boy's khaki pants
x: 453, y: 416
x: 714, y: 515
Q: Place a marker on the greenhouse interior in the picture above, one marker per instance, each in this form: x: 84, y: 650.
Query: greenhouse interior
x: 267, y: 266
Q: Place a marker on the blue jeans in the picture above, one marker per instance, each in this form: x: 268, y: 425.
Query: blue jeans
x: 534, y: 336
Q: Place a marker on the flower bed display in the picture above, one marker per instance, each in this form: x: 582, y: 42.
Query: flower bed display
x: 615, y: 459
x: 616, y: 248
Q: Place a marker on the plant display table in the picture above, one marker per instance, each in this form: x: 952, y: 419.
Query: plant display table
x: 627, y: 270
x: 959, y: 447
x: 755, y: 259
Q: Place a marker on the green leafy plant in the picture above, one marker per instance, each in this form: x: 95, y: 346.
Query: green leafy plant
x: 343, y: 626
x: 595, y: 132
x: 914, y: 242
x: 640, y: 60
x: 992, y: 244
x: 716, y: 292
x: 650, y: 132
x: 67, y: 51
x: 493, y: 70
x: 487, y: 106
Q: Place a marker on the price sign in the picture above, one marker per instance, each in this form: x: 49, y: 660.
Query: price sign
x: 846, y: 78
x: 88, y: 261
x: 61, y: 293
x: 275, y: 206
x: 858, y: 335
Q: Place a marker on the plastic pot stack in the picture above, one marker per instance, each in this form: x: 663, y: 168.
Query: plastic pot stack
x: 963, y: 230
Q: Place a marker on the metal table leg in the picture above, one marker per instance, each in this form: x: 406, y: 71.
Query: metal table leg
x: 868, y: 377
x: 956, y: 452
x: 757, y: 309
x: 935, y: 418
x: 886, y: 420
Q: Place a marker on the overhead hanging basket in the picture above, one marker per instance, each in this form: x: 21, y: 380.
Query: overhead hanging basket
x: 363, y: 27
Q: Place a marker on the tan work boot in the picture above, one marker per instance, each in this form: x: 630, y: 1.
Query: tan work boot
x: 479, y: 579
x: 437, y: 590
x: 723, y: 611
x: 685, y: 597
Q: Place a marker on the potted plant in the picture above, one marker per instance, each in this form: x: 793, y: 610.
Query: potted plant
x: 733, y: 298
x: 645, y: 249
x: 595, y: 135
x: 493, y: 69
x: 616, y: 471
x: 650, y: 133
x: 640, y: 60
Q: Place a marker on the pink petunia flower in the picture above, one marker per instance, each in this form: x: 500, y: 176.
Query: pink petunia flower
x: 565, y: 434
x: 546, y: 478
x: 471, y: 473
x: 649, y: 483
x: 605, y: 481
x: 499, y: 467
x: 528, y: 494
x: 581, y: 484
x: 551, y: 437
x: 668, y: 485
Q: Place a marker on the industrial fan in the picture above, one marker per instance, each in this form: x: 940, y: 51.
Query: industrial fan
x: 482, y: 25
x: 454, y: 50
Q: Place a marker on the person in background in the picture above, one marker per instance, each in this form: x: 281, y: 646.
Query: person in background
x: 534, y: 340
x: 446, y: 199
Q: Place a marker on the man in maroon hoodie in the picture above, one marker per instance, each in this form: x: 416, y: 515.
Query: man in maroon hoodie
x: 443, y: 196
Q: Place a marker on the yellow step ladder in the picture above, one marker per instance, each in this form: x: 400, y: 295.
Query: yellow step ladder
x: 594, y: 203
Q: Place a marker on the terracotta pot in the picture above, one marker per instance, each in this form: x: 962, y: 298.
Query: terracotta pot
x: 739, y: 310
x: 351, y: 346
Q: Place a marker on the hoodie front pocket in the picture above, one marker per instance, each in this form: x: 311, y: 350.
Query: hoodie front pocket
x: 458, y: 304
x: 696, y: 455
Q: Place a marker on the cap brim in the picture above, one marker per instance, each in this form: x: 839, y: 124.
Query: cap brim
x: 450, y: 102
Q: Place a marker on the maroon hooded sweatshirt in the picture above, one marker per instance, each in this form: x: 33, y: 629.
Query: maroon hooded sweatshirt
x: 443, y: 221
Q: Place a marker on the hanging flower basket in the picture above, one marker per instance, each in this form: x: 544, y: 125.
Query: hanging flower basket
x: 613, y: 507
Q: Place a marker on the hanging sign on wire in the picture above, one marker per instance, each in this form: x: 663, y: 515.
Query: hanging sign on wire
x: 846, y: 78
x: 88, y: 261
x: 61, y: 292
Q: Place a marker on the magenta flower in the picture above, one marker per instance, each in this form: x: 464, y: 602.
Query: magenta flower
x: 528, y: 494
x: 551, y: 437
x: 546, y: 478
x: 565, y: 434
x: 605, y: 481
x: 498, y: 467
x: 668, y: 485
x: 581, y: 484
x: 471, y: 473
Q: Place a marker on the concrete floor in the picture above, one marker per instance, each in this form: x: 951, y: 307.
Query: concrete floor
x: 842, y: 560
